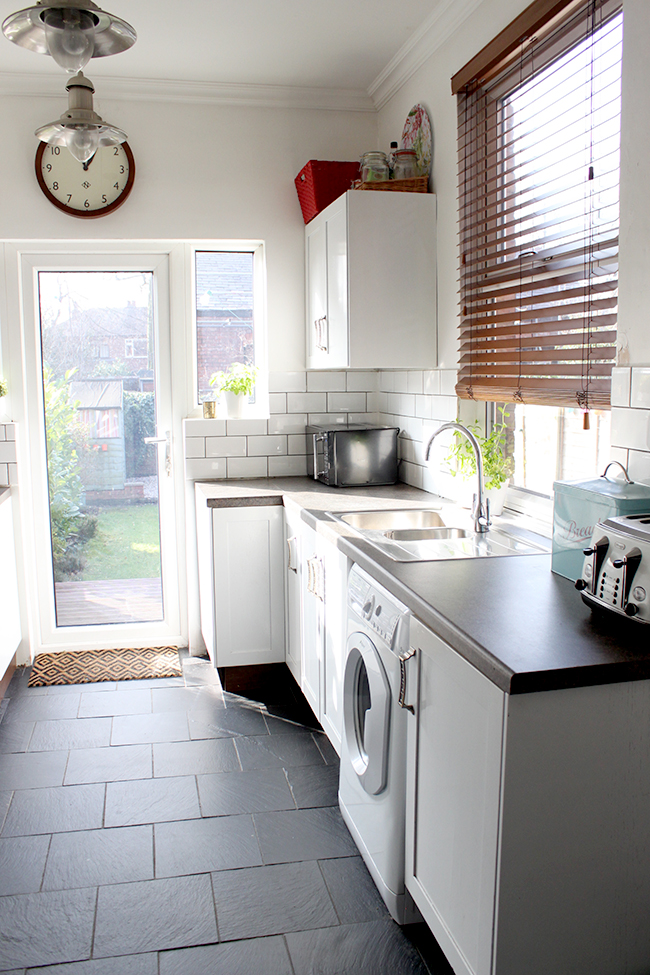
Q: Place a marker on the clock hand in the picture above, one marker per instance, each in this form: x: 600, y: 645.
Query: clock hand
x: 88, y: 162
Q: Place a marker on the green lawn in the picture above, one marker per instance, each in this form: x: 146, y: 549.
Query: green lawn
x: 126, y: 546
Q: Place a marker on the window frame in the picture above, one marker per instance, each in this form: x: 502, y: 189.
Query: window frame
x: 260, y: 408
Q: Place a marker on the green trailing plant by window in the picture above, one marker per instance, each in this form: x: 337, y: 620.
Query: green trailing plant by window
x: 497, y: 466
x: 3, y: 387
x: 240, y: 379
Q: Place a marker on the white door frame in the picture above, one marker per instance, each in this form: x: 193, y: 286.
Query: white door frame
x: 22, y: 330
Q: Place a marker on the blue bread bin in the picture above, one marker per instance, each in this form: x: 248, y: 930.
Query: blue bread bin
x: 579, y: 505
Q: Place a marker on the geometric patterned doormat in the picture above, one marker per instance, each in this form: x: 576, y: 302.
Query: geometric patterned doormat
x: 90, y: 666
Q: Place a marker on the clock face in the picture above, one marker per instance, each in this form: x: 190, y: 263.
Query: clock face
x: 92, y: 192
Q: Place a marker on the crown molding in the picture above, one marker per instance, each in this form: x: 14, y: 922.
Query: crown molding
x: 191, y: 92
x: 431, y: 35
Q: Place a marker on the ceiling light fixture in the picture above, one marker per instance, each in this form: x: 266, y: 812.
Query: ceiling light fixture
x: 71, y: 31
x: 80, y: 129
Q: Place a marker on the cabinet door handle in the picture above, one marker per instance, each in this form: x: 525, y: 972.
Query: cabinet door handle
x: 290, y: 565
x: 321, y: 334
x: 403, y: 657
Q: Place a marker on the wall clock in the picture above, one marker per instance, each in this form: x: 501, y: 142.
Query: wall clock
x: 90, y: 189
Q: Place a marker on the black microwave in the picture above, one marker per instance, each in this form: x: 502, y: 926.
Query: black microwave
x: 352, y: 454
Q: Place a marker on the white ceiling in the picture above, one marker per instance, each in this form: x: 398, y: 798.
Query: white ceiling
x: 299, y: 43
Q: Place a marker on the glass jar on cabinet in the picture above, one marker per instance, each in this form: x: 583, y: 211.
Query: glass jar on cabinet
x: 405, y: 164
x: 374, y: 167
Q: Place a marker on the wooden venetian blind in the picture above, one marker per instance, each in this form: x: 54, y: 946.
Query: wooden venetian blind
x: 538, y: 155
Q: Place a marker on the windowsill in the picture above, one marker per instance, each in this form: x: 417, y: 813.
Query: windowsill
x: 532, y: 511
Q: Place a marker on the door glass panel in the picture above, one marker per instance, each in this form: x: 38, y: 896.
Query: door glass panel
x: 97, y: 346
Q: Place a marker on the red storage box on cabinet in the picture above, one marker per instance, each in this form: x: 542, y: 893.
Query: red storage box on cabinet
x: 319, y: 183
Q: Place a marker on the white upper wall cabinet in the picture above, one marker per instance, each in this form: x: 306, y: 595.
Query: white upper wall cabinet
x: 371, y: 282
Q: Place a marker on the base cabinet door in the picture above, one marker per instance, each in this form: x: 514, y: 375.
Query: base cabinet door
x: 455, y: 740
x: 336, y: 577
x: 248, y: 567
x: 293, y: 595
x: 313, y: 620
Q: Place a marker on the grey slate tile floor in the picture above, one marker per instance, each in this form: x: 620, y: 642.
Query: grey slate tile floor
x: 171, y: 828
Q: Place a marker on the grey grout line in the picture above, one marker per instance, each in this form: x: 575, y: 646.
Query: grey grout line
x: 92, y: 940
x: 47, y: 857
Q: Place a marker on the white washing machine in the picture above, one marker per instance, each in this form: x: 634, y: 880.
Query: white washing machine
x: 372, y: 788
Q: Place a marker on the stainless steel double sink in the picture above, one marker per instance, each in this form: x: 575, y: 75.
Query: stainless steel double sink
x: 429, y: 535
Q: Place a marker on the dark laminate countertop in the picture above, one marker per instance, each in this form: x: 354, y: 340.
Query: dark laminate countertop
x: 519, y: 624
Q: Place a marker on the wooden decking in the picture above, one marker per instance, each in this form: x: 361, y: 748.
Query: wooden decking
x: 112, y: 601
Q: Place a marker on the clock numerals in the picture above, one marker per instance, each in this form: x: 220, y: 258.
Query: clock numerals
x: 86, y: 192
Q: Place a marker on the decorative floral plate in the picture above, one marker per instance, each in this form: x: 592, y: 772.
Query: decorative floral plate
x: 416, y: 134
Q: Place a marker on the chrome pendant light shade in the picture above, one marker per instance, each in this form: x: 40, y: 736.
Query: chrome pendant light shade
x: 71, y: 31
x: 80, y: 129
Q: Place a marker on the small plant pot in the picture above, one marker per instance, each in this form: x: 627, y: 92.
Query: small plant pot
x: 235, y: 403
x: 209, y: 409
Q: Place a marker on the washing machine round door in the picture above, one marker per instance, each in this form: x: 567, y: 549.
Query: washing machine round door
x: 366, y: 713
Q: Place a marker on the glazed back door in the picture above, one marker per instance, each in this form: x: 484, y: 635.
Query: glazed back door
x: 102, y: 485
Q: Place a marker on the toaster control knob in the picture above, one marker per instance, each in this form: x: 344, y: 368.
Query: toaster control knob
x: 619, y: 563
x: 631, y: 609
x: 588, y: 551
x: 581, y: 584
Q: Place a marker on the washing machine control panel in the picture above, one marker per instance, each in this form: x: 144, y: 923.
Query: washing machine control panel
x: 375, y: 606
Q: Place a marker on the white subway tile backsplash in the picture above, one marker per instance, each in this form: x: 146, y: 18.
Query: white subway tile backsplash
x: 4, y: 475
x: 287, y: 382
x: 277, y: 402
x: 294, y: 466
x: 328, y: 419
x: 306, y: 402
x: 10, y: 431
x: 258, y: 446
x: 246, y: 428
x: 362, y: 381
x: 204, y: 468
x: 401, y: 383
x: 2, y: 432
x: 376, y: 402
x: 431, y: 382
x: 640, y: 388
x: 448, y: 379
x: 204, y: 428
x: 288, y: 423
x: 387, y: 382
x: 630, y: 428
x: 423, y: 407
x: 298, y: 443
x: 638, y: 466
x: 620, y: 454
x: 13, y: 474
x: 410, y: 474
x: 327, y: 382
x: 247, y: 467
x: 7, y: 452
x: 225, y: 447
x: 195, y: 446
x: 406, y: 404
x: 621, y: 386
x: 346, y: 402
x: 363, y: 418
x: 444, y: 408
x: 414, y: 381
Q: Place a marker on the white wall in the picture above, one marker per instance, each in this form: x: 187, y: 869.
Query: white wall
x: 202, y: 172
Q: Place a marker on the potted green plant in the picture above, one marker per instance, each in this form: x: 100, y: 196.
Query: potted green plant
x: 3, y: 387
x: 497, y: 467
x: 235, y: 386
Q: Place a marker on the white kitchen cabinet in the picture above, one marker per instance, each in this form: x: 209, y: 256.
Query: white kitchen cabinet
x: 454, y: 749
x: 10, y: 632
x: 371, y: 282
x: 528, y: 820
x: 293, y: 596
x: 324, y: 589
x: 241, y: 583
x: 336, y: 577
x: 313, y: 619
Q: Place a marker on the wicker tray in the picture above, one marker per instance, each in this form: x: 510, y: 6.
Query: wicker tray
x: 417, y: 184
